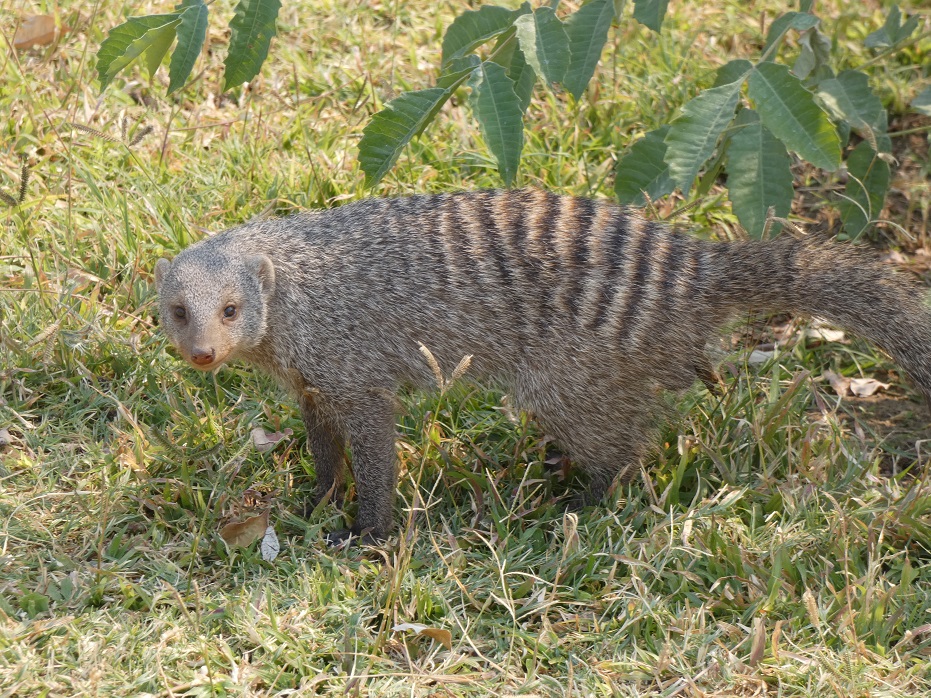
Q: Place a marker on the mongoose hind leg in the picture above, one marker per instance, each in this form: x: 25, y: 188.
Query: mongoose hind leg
x: 606, y: 433
x: 327, y: 445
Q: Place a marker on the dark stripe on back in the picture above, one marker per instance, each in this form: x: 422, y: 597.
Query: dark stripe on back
x: 494, y: 239
x: 583, y: 218
x: 634, y: 305
x: 672, y: 269
x: 456, y: 238
x: 428, y: 220
x: 615, y: 243
x: 520, y: 240
x: 549, y: 258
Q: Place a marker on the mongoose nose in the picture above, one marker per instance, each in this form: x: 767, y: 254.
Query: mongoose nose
x: 202, y: 357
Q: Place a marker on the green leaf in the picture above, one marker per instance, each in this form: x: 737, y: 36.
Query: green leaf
x: 126, y: 42
x: 644, y: 169
x: 814, y: 58
x: 252, y: 29
x: 732, y: 71
x: 457, y: 70
x: 511, y: 58
x: 650, y: 13
x: 499, y: 115
x: 893, y: 31
x: 759, y: 174
x: 866, y: 189
x: 404, y: 117
x: 33, y: 603
x: 693, y: 136
x: 587, y: 29
x: 800, y: 21
x: 849, y: 97
x: 789, y: 111
x: 922, y: 102
x: 191, y: 34
x: 524, y: 78
x: 473, y: 28
x: 163, y: 39
x: 544, y: 42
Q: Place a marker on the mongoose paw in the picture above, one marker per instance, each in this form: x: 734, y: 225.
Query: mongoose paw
x: 576, y: 503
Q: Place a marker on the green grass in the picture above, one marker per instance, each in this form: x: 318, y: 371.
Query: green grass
x: 778, y: 543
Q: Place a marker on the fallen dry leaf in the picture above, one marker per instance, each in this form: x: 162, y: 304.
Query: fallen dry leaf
x: 245, y: 533
x: 265, y: 441
x: 38, y: 30
x: 760, y: 357
x: 270, y: 546
x: 826, y: 334
x: 758, y: 646
x: 864, y: 387
x: 444, y: 637
x: 840, y: 384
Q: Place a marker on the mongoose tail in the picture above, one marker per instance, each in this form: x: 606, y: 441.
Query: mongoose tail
x: 840, y: 283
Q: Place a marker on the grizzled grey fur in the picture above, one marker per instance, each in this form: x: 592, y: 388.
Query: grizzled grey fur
x: 583, y: 311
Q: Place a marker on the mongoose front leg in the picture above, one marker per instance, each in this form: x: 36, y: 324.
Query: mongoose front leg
x: 370, y: 425
x: 327, y: 445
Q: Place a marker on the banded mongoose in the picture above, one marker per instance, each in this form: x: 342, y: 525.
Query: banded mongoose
x: 582, y: 310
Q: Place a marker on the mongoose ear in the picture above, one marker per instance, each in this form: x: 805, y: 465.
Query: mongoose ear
x: 161, y: 271
x: 265, y: 270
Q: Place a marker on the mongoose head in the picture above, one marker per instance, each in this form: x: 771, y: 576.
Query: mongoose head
x: 214, y: 305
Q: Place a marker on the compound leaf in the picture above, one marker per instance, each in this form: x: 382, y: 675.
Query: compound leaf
x: 587, y: 29
x: 650, y: 13
x: 759, y: 174
x: 129, y: 40
x: 694, y: 134
x: 252, y: 29
x: 922, y: 102
x: 867, y: 184
x: 644, y: 169
x: 849, y: 97
x: 191, y: 34
x: 473, y: 28
x: 545, y: 44
x: 404, y: 117
x: 791, y: 114
x: 499, y: 114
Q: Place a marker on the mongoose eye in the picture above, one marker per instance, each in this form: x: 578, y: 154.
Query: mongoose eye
x: 229, y: 311
x: 180, y: 312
